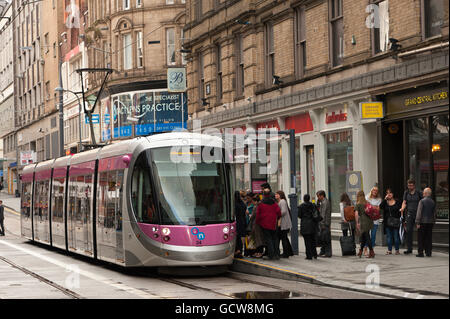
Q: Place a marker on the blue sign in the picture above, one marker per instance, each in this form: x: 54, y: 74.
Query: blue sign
x: 107, y: 119
x: 125, y: 131
x: 95, y: 119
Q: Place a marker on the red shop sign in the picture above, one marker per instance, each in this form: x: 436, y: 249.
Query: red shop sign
x: 333, y: 118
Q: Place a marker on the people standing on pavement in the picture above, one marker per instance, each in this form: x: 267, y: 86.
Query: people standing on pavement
x: 241, y: 225
x: 363, y: 224
x: 391, y: 221
x: 256, y: 233
x: 267, y: 214
x: 411, y: 199
x: 285, y: 225
x: 346, y: 225
x: 325, y: 225
x: 308, y: 226
x: 2, y: 218
x: 374, y: 199
x: 425, y: 220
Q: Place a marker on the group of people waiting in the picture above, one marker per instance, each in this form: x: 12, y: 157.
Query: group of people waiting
x: 263, y: 223
x: 415, y: 210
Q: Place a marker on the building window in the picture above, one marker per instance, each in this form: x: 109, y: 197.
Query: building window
x: 219, y: 73
x: 339, y: 162
x: 300, y: 42
x: 201, y: 84
x: 198, y: 9
x: 170, y: 40
x: 380, y: 26
x: 239, y: 46
x: 432, y: 17
x: 183, y: 55
x: 139, y: 50
x: 138, y: 3
x: 337, y: 32
x: 127, y: 52
x: 269, y: 63
x: 126, y: 4
x: 170, y: 1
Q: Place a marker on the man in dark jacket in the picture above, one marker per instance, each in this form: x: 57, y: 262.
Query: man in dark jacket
x: 2, y: 218
x: 325, y: 224
x: 411, y: 199
x: 267, y: 214
x: 425, y: 219
x: 308, y: 226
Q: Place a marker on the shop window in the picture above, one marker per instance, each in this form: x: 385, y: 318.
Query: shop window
x: 339, y: 161
x: 418, y: 155
x: 440, y: 153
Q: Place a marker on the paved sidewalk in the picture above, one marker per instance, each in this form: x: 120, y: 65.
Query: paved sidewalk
x: 401, y: 276
x: 10, y: 201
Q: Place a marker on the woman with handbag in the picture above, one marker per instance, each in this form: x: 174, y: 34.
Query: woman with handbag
x: 284, y: 225
x: 347, y: 216
x: 364, y: 224
x: 375, y: 200
x: 391, y: 221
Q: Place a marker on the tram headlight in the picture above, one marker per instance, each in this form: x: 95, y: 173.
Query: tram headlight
x: 226, y: 230
x: 166, y: 231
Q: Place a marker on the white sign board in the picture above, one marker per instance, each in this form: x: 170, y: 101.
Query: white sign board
x: 28, y: 157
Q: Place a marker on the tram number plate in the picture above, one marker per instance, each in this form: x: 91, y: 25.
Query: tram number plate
x: 198, y: 242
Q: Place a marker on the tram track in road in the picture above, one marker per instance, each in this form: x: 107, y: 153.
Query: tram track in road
x: 60, y: 288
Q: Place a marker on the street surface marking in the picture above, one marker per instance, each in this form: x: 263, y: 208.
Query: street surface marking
x: 88, y: 274
x: 9, y: 210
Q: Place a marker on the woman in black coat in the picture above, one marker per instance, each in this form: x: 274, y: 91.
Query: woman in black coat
x: 241, y: 223
x: 308, y: 226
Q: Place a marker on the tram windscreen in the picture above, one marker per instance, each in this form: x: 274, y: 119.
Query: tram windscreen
x: 191, y: 193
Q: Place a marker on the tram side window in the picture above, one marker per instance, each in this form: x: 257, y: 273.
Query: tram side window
x: 142, y: 195
x: 58, y: 200
x: 41, y: 200
x: 80, y: 198
x: 110, y: 193
x: 26, y: 202
x: 102, y: 193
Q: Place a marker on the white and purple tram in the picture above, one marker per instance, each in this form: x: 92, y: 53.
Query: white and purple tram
x: 130, y: 204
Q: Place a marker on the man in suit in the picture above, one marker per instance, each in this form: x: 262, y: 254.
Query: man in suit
x: 2, y: 218
x: 325, y: 225
x: 425, y: 219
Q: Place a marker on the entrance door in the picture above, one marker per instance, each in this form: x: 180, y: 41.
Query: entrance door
x: 310, y: 171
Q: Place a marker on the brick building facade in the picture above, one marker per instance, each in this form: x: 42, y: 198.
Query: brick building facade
x: 308, y: 65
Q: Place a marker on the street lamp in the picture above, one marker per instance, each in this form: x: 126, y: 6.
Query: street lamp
x: 62, y: 90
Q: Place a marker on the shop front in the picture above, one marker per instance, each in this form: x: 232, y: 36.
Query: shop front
x: 415, y: 145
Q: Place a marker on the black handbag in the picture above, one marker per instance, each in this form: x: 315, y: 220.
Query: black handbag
x: 393, y: 222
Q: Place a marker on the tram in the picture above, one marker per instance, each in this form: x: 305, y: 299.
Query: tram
x: 150, y: 201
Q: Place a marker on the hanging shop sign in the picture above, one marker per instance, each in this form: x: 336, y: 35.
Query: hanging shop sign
x: 176, y: 80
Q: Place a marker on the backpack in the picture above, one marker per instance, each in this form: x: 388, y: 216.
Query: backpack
x: 372, y: 212
x: 349, y: 213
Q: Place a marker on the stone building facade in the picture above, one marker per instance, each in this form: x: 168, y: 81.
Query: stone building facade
x: 307, y: 65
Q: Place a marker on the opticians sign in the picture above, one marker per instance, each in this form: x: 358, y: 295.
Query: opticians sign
x: 371, y: 110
